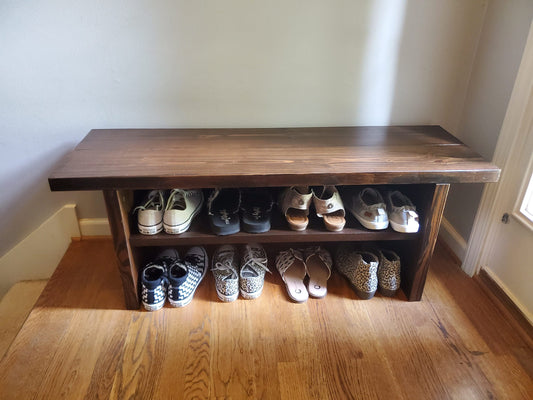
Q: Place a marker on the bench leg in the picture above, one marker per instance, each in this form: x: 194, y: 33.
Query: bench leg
x: 119, y: 224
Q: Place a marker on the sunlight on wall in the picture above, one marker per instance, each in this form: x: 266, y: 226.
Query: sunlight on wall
x: 380, y: 62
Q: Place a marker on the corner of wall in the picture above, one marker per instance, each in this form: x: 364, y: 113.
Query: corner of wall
x: 37, y: 256
x: 449, y: 235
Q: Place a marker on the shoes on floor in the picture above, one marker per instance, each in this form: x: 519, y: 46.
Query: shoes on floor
x: 252, y: 272
x: 318, y: 264
x: 150, y: 213
x: 294, y: 203
x: 388, y: 272
x: 328, y: 205
x: 185, y: 275
x: 256, y: 209
x: 225, y: 267
x: 402, y: 212
x: 369, y: 208
x: 181, y: 207
x: 360, y: 269
x: 154, y: 280
x: 291, y: 266
x: 223, y: 210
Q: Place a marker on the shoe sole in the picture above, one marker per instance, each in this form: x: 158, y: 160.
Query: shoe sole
x: 402, y: 228
x: 154, y: 307
x: 180, y: 228
x: 251, y: 296
x: 227, y: 299
x: 362, y: 295
x: 387, y: 292
x: 375, y: 226
x: 150, y: 230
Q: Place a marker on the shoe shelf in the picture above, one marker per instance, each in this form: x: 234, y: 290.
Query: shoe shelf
x: 200, y: 234
x: 422, y: 160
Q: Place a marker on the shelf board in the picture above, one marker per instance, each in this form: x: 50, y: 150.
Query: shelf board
x: 200, y: 234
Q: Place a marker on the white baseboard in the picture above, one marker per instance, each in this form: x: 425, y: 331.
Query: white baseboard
x: 94, y: 227
x: 37, y: 256
x: 453, y: 239
x: 523, y: 309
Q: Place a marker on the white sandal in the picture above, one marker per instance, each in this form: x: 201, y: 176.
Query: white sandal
x: 291, y: 267
x: 329, y: 206
x: 294, y: 203
x: 318, y: 263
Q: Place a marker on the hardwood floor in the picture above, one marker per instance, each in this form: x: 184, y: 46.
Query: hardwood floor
x: 80, y: 342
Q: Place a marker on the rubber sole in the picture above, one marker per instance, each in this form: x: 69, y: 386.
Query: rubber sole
x: 227, y: 299
x: 251, y: 296
x: 154, y: 307
x: 150, y: 230
x: 404, y: 229
x: 375, y: 226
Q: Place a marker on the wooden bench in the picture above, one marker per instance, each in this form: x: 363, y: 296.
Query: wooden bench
x: 424, y: 160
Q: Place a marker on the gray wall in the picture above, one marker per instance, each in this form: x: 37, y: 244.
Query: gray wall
x: 67, y: 67
x: 498, y: 57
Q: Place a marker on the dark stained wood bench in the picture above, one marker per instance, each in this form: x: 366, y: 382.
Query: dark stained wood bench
x: 424, y: 160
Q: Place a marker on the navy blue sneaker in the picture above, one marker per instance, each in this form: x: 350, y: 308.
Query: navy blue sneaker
x: 154, y: 280
x: 185, y: 276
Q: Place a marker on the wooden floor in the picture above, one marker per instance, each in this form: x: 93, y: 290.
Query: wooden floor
x: 80, y: 342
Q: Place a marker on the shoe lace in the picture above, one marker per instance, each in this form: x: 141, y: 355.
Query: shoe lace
x: 256, y: 261
x: 193, y: 259
x: 224, y: 265
x: 154, y: 202
x: 176, y: 200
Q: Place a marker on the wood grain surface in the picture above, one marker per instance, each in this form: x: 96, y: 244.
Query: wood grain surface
x: 78, y: 342
x: 199, y: 158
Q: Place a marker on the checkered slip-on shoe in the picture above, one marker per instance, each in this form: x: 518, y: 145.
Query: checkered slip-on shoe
x: 185, y: 276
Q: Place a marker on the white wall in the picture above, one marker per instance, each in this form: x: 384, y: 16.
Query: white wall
x: 67, y: 67
x: 498, y: 57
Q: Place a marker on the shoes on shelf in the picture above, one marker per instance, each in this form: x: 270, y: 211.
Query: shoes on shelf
x: 291, y: 266
x: 150, y: 213
x: 402, y: 212
x: 252, y: 272
x: 388, y: 272
x: 369, y: 208
x: 294, y: 203
x: 256, y: 209
x: 223, y: 210
x: 318, y: 266
x: 154, y: 280
x: 185, y: 275
x: 225, y: 271
x: 328, y: 205
x: 360, y: 269
x: 181, y: 207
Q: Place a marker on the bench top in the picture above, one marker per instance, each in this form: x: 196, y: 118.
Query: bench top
x: 203, y: 158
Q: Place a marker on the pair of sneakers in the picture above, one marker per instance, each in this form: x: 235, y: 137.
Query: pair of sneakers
x: 294, y: 265
x: 246, y: 276
x: 170, y: 277
x: 373, y: 212
x: 369, y: 270
x: 226, y: 209
x: 295, y: 202
x: 173, y: 213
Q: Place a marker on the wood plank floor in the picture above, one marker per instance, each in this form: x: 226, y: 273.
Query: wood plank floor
x: 80, y: 342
